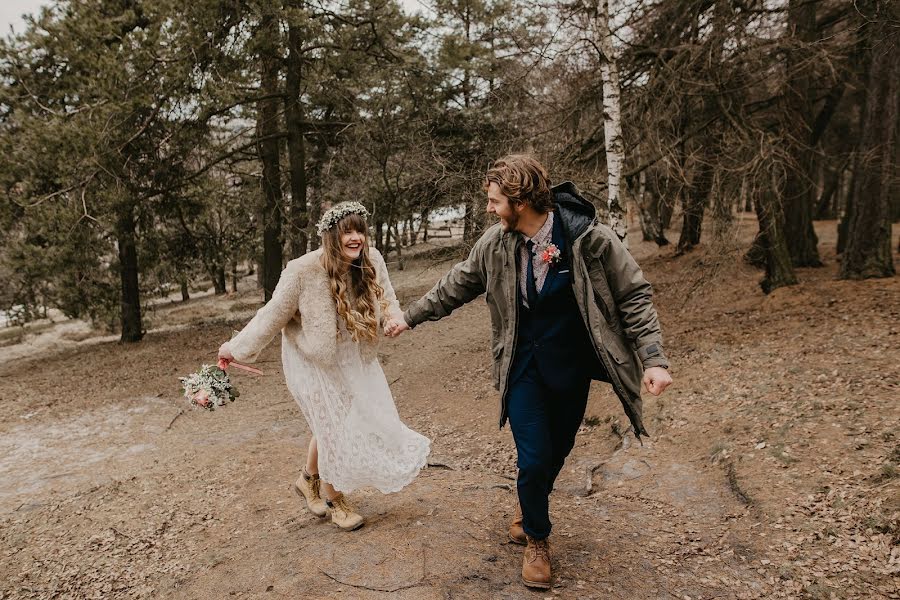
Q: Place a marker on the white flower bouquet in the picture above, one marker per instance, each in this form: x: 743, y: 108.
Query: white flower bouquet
x: 209, y: 387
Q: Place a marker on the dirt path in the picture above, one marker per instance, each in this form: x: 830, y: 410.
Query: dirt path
x: 772, y: 471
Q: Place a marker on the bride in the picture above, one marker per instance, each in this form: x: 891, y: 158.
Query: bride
x: 328, y: 306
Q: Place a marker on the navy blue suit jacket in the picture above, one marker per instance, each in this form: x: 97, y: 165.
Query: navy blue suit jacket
x: 552, y: 338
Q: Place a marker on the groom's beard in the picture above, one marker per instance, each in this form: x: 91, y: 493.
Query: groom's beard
x: 509, y: 223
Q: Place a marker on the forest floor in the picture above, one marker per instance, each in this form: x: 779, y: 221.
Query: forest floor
x: 772, y: 470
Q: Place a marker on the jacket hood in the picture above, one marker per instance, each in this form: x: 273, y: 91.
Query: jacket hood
x: 576, y: 213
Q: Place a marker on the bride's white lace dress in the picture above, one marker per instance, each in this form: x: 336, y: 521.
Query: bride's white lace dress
x: 350, y: 409
x: 338, y: 383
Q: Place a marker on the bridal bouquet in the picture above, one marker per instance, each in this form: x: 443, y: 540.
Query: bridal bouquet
x: 209, y: 387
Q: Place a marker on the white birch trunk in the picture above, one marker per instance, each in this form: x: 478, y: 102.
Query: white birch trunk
x: 612, y: 121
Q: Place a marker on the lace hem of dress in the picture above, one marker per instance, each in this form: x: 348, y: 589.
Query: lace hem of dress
x: 347, y: 485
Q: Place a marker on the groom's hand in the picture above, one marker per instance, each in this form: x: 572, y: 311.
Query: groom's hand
x: 395, y: 327
x: 656, y: 380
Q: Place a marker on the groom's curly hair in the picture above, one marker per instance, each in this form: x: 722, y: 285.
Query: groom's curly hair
x: 522, y: 178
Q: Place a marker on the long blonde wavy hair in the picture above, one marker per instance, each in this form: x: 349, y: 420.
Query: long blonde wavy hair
x: 359, y: 313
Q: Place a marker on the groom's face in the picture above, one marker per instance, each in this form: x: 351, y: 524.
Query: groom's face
x: 499, y: 205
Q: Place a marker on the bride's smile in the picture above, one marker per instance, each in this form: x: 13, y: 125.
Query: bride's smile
x: 352, y: 243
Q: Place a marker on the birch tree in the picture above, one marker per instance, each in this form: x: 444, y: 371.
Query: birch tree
x: 612, y: 117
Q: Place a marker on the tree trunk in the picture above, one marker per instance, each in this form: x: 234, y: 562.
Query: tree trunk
x: 779, y: 269
x: 185, y: 292
x: 825, y: 204
x: 843, y: 228
x: 293, y: 115
x: 269, y: 153
x: 612, y: 120
x: 646, y: 204
x: 648, y: 214
x: 314, y: 199
x: 868, y: 250
x: 399, y: 247
x: 651, y: 207
x: 234, y: 276
x: 666, y: 208
x: 219, y: 282
x: 756, y: 254
x: 694, y: 205
x: 801, y: 237
x: 798, y: 189
x: 379, y: 234
x: 746, y: 202
x: 413, y: 232
x: 130, y: 299
x: 473, y: 223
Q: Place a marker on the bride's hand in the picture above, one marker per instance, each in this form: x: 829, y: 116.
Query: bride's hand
x: 225, y: 355
x: 389, y: 327
x: 395, y: 327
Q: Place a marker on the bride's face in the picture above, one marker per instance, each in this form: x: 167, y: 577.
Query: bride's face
x: 352, y: 244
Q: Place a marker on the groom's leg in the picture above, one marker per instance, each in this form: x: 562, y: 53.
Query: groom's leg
x: 530, y: 427
x: 565, y: 419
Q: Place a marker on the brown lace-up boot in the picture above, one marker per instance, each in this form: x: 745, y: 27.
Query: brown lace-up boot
x: 516, y: 533
x: 343, y: 515
x: 307, y: 486
x: 536, y: 564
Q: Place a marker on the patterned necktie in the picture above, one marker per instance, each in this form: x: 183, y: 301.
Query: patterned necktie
x: 530, y: 286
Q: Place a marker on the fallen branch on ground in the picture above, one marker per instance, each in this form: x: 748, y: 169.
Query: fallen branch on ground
x: 175, y: 418
x: 735, y: 486
x: 371, y: 588
x: 438, y: 465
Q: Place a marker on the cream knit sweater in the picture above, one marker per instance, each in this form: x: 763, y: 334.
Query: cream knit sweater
x: 303, y: 310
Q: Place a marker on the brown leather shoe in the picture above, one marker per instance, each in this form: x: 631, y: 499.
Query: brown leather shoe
x: 516, y: 533
x: 536, y: 564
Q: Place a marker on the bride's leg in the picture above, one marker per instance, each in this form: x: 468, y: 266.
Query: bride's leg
x: 312, y: 467
x: 309, y: 485
x: 312, y: 457
x: 342, y: 513
x: 328, y: 491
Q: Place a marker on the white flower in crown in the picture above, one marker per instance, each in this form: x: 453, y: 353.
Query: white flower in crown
x: 338, y: 212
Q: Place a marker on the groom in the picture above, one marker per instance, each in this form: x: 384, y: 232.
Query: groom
x: 568, y: 304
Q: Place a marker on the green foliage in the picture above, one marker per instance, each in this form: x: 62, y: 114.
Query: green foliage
x: 132, y: 124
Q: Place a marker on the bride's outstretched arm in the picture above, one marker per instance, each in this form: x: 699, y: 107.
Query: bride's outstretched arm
x: 269, y: 319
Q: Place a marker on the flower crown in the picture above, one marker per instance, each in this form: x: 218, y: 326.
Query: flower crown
x: 338, y: 212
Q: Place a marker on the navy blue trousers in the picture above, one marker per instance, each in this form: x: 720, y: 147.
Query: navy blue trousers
x: 544, y: 422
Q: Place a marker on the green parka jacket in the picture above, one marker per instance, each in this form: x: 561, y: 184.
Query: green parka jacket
x: 613, y: 297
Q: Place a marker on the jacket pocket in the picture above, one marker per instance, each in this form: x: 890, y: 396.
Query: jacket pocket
x: 603, y: 297
x: 614, y: 354
x: 616, y: 348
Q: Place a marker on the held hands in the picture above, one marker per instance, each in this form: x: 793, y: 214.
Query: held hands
x: 395, y: 327
x: 656, y: 380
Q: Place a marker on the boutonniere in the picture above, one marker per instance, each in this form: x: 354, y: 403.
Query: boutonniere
x: 550, y: 254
